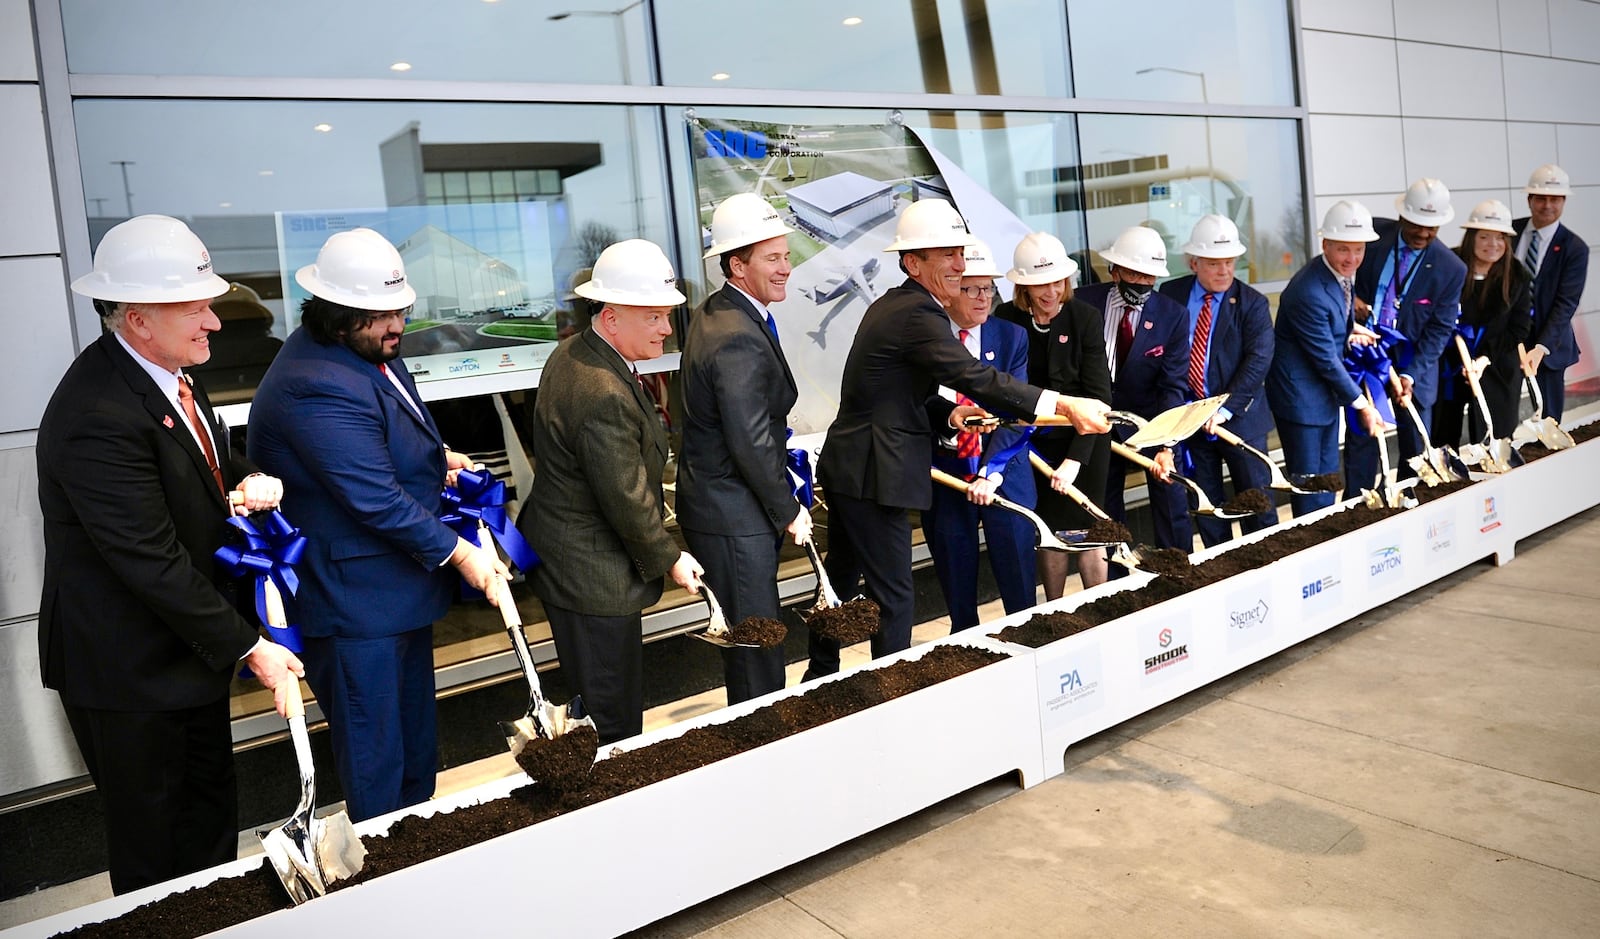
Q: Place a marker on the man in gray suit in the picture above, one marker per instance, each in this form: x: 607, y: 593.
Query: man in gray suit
x: 734, y: 498
x: 595, y: 513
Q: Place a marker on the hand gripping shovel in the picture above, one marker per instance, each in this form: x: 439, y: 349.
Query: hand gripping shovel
x: 1538, y: 427
x: 310, y: 854
x: 531, y: 737
x: 1048, y: 540
x: 1491, y: 456
x: 716, y: 631
x: 1203, y: 504
x: 1120, y: 552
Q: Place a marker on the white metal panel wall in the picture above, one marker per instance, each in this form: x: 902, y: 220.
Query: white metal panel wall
x: 1475, y: 92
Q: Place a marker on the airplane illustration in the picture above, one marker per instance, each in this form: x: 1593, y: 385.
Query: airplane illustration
x: 842, y: 287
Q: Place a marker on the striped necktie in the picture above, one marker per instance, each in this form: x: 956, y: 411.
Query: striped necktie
x: 1198, y: 351
x: 1532, y: 260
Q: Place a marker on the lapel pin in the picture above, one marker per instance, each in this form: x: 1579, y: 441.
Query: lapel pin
x: 1149, y: 325
x: 166, y: 421
x: 1061, y: 338
x: 989, y: 356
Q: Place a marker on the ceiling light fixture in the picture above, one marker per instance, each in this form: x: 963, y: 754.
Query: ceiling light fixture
x: 322, y: 128
x: 852, y: 21
x: 400, y: 67
x: 721, y: 77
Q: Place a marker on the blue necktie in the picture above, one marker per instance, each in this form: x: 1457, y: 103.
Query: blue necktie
x: 772, y: 327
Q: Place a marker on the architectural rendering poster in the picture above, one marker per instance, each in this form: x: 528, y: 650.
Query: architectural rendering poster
x: 842, y: 188
x: 486, y: 299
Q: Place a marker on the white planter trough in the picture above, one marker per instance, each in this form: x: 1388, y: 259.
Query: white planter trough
x: 625, y: 862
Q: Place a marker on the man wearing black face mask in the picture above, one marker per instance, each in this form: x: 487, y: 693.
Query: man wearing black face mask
x: 1147, y: 340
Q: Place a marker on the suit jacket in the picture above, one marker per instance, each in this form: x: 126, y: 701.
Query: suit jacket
x: 1005, y: 346
x: 877, y: 447
x: 1240, y: 352
x: 1429, y: 309
x: 595, y: 510
x: 1156, y: 375
x: 1501, y: 324
x: 362, y: 472
x: 132, y: 617
x: 737, y: 394
x: 1557, y: 289
x: 1077, y: 363
x: 1307, y: 382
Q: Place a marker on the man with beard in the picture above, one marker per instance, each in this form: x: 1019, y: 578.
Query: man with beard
x: 735, y: 503
x: 362, y: 464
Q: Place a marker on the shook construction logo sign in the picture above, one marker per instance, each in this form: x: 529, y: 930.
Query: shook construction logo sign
x: 1165, y: 649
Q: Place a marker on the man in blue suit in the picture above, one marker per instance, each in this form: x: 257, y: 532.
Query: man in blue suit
x: 1308, y: 385
x: 1147, y: 335
x: 1410, y: 282
x: 1230, y: 328
x: 1559, y: 260
x: 951, y: 522
x: 362, y: 464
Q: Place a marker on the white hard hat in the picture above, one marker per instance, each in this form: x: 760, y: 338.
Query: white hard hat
x: 980, y: 262
x: 358, y: 268
x: 743, y: 219
x: 1549, y: 180
x: 1214, y: 236
x: 151, y: 259
x: 930, y: 223
x: 1490, y: 215
x: 1347, y: 221
x: 1139, y: 249
x: 632, y: 273
x: 1426, y: 203
x: 1040, y: 258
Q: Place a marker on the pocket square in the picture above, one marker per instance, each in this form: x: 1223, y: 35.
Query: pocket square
x: 1422, y: 301
x: 1158, y: 350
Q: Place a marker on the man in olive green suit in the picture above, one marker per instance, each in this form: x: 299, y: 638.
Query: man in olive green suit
x: 595, y: 514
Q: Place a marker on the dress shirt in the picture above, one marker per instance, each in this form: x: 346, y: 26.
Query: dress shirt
x: 1114, y: 308
x: 168, y: 383
x: 1546, y: 234
x: 1197, y: 295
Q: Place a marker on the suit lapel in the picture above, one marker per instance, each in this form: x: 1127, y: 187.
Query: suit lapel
x: 624, y: 373
x: 739, y: 300
x: 172, y: 420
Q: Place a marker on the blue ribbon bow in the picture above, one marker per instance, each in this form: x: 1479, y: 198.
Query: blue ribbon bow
x: 479, y: 496
x: 1369, y: 366
x: 999, y: 460
x: 799, y: 465
x: 270, y: 553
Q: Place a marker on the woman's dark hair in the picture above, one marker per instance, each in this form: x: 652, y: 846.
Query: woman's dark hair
x: 1499, y: 275
x: 330, y: 322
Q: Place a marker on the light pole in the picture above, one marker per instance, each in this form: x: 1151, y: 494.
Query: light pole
x: 1211, y: 169
x: 622, y: 55
x: 127, y: 193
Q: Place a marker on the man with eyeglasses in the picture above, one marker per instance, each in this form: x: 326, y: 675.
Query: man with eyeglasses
x: 340, y: 421
x: 993, y: 462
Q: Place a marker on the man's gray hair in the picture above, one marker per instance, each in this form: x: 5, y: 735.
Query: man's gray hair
x: 113, y: 313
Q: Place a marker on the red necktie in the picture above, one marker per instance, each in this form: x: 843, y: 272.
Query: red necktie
x: 968, y: 442
x: 1197, y: 353
x: 1124, y: 335
x: 186, y: 398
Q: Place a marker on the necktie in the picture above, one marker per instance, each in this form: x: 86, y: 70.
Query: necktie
x: 186, y: 398
x: 1197, y: 352
x: 1345, y: 286
x: 968, y: 442
x: 1124, y: 335
x: 772, y: 327
x: 1396, y: 288
x: 1533, y: 252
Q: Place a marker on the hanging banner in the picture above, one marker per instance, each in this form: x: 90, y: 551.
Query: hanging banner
x: 842, y: 188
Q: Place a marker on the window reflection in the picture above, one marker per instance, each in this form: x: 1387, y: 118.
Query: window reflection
x: 498, y: 205
x: 1012, y: 47
x: 1156, y: 170
x: 1218, y: 52
x: 580, y: 41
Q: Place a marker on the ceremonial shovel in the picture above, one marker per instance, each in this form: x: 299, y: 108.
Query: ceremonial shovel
x: 716, y: 631
x: 1491, y: 456
x: 1120, y: 552
x: 1538, y: 427
x: 1049, y: 540
x: 1278, y: 480
x: 309, y: 854
x: 1439, y: 463
x: 1203, y: 504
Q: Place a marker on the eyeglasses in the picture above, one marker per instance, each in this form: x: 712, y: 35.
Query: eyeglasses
x: 401, y: 315
x: 978, y: 291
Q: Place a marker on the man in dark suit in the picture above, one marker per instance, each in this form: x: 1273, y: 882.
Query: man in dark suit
x: 735, y: 502
x: 1230, y: 329
x: 1559, y: 259
x: 1411, y: 282
x: 596, y: 508
x: 135, y: 633
x: 1148, y: 337
x: 951, y: 522
x: 339, y: 418
x: 874, y: 465
x: 1307, y: 384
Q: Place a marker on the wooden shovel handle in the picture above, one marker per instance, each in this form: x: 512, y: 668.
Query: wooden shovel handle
x: 294, y: 705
